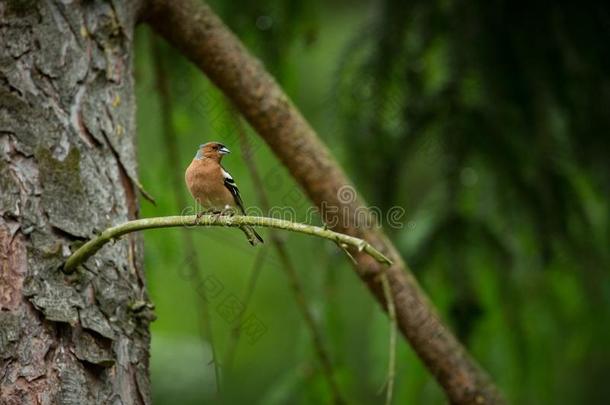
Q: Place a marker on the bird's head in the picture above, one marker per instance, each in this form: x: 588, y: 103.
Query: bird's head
x: 212, y: 150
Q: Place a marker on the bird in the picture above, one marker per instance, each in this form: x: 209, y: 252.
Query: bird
x: 214, y: 188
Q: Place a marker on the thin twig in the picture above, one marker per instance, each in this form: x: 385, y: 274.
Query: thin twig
x: 347, y: 253
x: 171, y: 142
x: 316, y: 335
x: 387, y: 292
x: 257, y: 266
x: 289, y: 267
x: 144, y: 193
x: 113, y: 233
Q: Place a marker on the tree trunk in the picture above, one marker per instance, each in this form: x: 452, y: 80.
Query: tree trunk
x: 67, y: 171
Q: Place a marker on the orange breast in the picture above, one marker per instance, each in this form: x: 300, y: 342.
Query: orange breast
x: 206, y: 184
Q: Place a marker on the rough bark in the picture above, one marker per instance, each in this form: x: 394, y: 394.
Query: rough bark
x: 68, y: 171
x: 193, y: 28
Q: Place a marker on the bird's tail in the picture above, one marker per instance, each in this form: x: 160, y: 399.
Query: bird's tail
x: 253, y: 236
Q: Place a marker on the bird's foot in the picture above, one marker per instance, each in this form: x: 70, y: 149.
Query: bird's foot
x: 229, y: 212
x: 207, y: 212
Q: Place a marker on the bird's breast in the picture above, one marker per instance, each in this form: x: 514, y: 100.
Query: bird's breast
x: 206, y: 184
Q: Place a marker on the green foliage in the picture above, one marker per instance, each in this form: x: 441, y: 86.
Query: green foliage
x: 486, y: 121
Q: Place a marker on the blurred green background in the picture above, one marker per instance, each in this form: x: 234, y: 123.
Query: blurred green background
x: 487, y: 122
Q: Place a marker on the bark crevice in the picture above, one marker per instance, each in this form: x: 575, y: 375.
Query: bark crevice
x: 65, y: 90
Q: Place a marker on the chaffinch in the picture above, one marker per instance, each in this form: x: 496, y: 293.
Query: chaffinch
x: 213, y: 187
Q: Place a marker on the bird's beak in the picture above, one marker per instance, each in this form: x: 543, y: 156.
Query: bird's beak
x: 224, y: 150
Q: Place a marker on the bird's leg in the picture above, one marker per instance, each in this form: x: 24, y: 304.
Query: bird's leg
x: 206, y: 212
x: 216, y: 214
x: 228, y: 211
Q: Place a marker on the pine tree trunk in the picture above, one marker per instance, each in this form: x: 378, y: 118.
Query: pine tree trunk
x: 67, y: 171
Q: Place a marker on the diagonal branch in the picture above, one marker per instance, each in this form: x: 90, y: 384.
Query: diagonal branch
x: 111, y: 234
x: 255, y: 272
x: 193, y: 28
x: 288, y: 266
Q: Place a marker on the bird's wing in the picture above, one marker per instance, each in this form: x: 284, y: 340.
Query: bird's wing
x: 230, y: 184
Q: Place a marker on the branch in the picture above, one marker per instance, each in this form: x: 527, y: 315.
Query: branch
x: 392, y: 344
x: 115, y: 232
x: 254, y: 272
x: 288, y: 266
x: 193, y: 28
